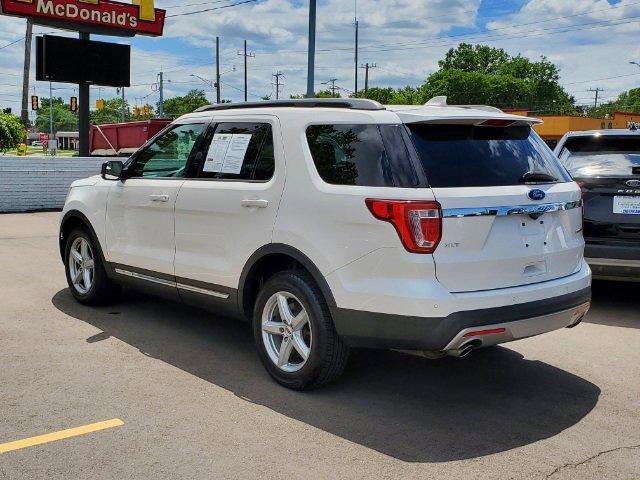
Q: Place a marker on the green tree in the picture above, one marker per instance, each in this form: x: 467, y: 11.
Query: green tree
x: 111, y: 113
x: 63, y: 118
x: 474, y: 58
x: 176, y: 106
x: 478, y: 74
x: 12, y: 132
x: 319, y: 94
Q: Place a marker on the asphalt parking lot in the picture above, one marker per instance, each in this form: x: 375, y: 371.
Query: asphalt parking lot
x: 194, y: 402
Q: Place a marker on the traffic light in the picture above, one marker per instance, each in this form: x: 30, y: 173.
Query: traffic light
x: 146, y: 110
x: 99, y: 104
x: 35, y: 102
x: 73, y: 104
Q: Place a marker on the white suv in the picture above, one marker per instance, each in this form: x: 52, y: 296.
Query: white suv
x: 339, y: 223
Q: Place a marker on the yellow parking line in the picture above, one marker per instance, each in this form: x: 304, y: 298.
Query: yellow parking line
x: 62, y: 434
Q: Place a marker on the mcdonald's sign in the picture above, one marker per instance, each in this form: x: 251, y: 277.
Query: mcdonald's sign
x: 104, y: 17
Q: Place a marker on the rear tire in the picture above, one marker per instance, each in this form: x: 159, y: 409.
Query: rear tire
x: 86, y: 275
x: 294, y: 332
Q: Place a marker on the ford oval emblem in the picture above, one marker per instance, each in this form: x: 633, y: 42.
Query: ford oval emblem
x: 633, y: 183
x: 536, y: 194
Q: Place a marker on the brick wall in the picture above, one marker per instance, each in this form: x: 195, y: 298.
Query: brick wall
x: 40, y: 183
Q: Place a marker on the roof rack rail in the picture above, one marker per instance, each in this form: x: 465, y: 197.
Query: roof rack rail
x: 349, y: 103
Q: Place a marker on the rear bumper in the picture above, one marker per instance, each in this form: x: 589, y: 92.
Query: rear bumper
x: 509, y: 331
x: 378, y: 330
x: 613, y: 262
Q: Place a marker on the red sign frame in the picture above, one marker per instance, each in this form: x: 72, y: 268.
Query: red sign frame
x: 104, y: 17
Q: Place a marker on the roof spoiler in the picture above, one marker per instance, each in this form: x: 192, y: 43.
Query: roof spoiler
x: 441, y: 101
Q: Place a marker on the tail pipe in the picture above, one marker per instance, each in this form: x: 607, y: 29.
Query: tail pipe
x: 465, y: 349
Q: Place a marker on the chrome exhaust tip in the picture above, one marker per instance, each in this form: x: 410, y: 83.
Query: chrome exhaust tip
x: 465, y: 349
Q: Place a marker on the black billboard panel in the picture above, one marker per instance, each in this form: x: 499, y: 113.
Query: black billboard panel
x: 71, y: 60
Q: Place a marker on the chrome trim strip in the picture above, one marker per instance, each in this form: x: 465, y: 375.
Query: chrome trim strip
x: 169, y: 283
x: 204, y: 291
x: 148, y: 278
x: 511, y: 210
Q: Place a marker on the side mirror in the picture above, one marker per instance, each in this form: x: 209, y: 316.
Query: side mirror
x: 112, y: 170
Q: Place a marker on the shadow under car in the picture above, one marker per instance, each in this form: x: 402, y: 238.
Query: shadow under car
x: 407, y: 407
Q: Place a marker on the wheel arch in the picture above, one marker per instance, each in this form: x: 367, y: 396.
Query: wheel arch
x: 268, y: 260
x: 71, y: 220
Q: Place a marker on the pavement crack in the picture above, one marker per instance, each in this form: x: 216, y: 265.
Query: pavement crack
x: 593, y: 457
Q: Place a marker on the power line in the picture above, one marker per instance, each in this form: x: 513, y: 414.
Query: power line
x: 211, y: 9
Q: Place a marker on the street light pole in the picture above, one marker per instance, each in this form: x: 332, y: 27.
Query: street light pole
x: 217, y: 69
x: 246, y: 55
x: 51, y: 137
x: 312, y: 49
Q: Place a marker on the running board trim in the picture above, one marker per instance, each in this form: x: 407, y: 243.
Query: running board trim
x: 169, y: 283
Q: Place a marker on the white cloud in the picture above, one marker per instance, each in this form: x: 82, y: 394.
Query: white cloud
x: 405, y: 38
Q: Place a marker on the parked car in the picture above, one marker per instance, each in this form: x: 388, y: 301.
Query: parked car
x: 36, y: 143
x: 337, y: 223
x: 606, y: 164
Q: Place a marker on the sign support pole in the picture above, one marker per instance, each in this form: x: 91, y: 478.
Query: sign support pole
x: 311, y: 54
x: 83, y: 112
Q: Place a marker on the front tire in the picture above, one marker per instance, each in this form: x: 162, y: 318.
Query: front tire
x: 294, y: 332
x: 86, y: 275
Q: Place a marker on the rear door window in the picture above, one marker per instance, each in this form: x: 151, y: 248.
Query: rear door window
x: 363, y: 154
x: 601, y: 156
x: 482, y: 156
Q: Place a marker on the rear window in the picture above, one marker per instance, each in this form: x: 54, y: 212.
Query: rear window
x: 364, y: 155
x: 601, y: 156
x: 479, y: 156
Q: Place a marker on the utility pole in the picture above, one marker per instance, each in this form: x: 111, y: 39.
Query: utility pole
x: 311, y: 55
x: 278, y: 84
x: 246, y: 55
x: 122, y: 113
x: 83, y: 112
x: 355, y: 63
x: 597, y: 91
x: 333, y: 87
x: 366, y: 67
x: 24, y: 114
x: 217, y: 69
x: 161, y: 90
x: 51, y: 133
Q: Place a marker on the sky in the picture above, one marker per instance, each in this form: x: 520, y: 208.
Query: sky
x: 591, y: 41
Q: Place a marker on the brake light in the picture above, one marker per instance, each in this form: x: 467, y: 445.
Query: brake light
x: 418, y: 222
x: 494, y: 122
x: 583, y: 189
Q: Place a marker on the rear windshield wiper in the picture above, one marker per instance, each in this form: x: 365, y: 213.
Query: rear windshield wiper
x: 533, y: 177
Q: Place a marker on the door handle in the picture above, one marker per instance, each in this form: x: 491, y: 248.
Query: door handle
x: 255, y: 203
x: 159, y: 198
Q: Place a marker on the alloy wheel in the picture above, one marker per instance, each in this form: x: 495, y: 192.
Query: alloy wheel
x: 286, y: 331
x: 81, y: 265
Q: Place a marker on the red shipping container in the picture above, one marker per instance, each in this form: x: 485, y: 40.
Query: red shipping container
x: 122, y: 139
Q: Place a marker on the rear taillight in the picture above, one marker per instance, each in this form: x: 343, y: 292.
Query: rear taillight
x: 583, y: 189
x: 417, y: 222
